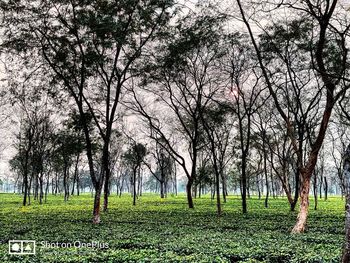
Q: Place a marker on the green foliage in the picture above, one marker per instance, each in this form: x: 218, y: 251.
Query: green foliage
x: 295, y: 34
x: 166, y: 231
x: 135, y: 155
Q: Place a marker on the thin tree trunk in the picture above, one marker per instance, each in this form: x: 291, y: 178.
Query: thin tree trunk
x: 315, y: 189
x: 346, y: 183
x: 224, y: 186
x: 175, y: 180
x: 75, y: 179
x: 325, y: 188
x: 41, y: 194
x: 218, y: 202
x: 258, y: 187
x: 266, y: 177
x: 189, y: 193
x: 134, y: 187
x: 25, y: 190
x: 47, y: 188
x: 244, y: 189
x: 161, y: 189
x: 296, y: 190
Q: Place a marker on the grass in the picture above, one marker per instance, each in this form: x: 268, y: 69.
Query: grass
x: 167, y: 231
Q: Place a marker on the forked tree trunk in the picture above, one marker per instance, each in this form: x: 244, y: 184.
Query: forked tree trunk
x: 346, y: 183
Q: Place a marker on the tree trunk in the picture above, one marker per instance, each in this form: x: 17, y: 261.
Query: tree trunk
x: 189, y: 193
x: 218, y: 203
x: 161, y: 189
x: 56, y: 183
x: 224, y: 186
x: 107, y: 173
x: 89, y: 154
x: 25, y: 190
x: 175, y: 180
x: 140, y: 183
x: 346, y: 183
x: 267, y: 191
x: 134, y: 187
x: 304, y: 205
x: 66, y: 182
x: 266, y: 176
x: 296, y: 190
x: 29, y: 187
x: 36, y: 184
x: 315, y: 189
x: 47, y: 188
x: 41, y: 194
x: 78, y: 185
x: 325, y: 189
x: 258, y: 186
x: 212, y: 192
x: 321, y: 186
x: 96, y: 211
x: 75, y: 178
x: 244, y: 188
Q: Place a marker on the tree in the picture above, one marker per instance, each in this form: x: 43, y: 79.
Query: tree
x: 244, y: 95
x: 328, y: 60
x: 181, y: 79
x: 68, y: 147
x: 91, y: 49
x: 218, y: 131
x: 134, y: 158
x: 164, y: 168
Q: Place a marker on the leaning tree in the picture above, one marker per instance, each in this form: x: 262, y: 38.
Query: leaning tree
x: 321, y: 33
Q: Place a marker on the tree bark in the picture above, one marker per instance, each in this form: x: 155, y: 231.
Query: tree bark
x: 218, y: 202
x: 296, y: 190
x: 161, y: 189
x: 315, y: 190
x: 75, y: 178
x: 304, y: 205
x: 189, y: 193
x: 265, y: 172
x: 107, y: 172
x: 346, y: 183
x: 325, y: 189
x: 96, y: 211
x: 134, y: 187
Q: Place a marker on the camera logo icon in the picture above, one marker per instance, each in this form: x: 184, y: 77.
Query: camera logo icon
x: 22, y: 247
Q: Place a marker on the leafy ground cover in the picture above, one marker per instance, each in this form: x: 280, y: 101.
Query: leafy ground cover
x: 167, y: 231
